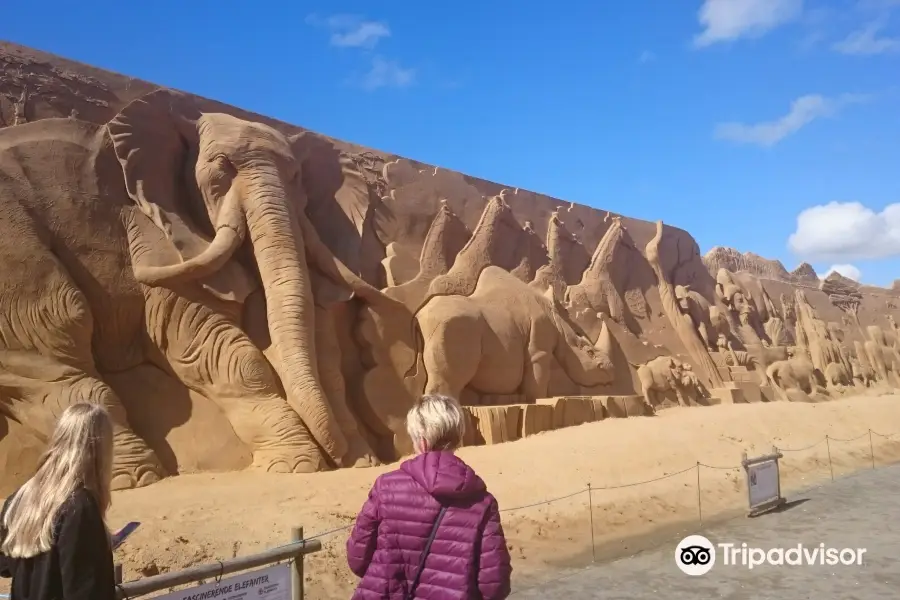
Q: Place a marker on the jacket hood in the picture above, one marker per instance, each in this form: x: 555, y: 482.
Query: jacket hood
x: 444, y: 475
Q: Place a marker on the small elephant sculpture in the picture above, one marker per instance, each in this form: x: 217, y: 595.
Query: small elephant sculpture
x: 666, y: 374
x: 864, y: 375
x: 796, y: 377
x: 836, y: 376
x: 707, y: 320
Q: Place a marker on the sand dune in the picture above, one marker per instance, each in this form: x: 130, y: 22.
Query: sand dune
x: 195, y: 519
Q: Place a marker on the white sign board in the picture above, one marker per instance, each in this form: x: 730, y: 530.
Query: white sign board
x: 762, y: 482
x: 271, y: 583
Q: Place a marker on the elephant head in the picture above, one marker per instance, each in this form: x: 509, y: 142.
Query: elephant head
x: 682, y: 296
x: 587, y: 364
x: 212, y: 182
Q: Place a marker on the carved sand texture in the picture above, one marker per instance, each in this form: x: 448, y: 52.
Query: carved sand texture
x: 242, y: 293
x: 596, y: 290
x: 446, y: 237
x: 551, y: 276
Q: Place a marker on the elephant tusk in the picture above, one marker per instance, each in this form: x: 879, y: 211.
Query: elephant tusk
x: 212, y: 259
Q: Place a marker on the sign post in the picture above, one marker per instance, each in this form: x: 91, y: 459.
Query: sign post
x: 763, y: 482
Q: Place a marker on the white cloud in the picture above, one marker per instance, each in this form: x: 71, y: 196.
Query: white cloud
x: 725, y: 20
x: 878, y: 5
x: 351, y: 31
x: 804, y: 110
x: 848, y: 271
x: 387, y: 73
x: 845, y: 231
x: 646, y: 56
x: 865, y: 41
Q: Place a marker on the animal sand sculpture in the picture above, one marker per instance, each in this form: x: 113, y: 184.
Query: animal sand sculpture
x: 242, y: 293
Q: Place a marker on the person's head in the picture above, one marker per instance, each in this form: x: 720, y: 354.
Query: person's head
x: 436, y: 423
x: 80, y: 453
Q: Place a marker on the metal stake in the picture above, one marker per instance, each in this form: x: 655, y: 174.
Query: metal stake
x: 591, y: 511
x: 871, y: 449
x: 699, y: 504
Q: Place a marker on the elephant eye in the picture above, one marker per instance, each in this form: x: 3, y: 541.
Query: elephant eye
x: 224, y: 163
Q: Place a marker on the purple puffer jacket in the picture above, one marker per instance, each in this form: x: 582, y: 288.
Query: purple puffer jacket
x: 468, y: 558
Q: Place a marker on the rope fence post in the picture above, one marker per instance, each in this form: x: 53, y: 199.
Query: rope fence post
x: 830, y: 466
x: 871, y: 449
x: 297, y: 571
x: 591, y: 512
x: 699, y: 494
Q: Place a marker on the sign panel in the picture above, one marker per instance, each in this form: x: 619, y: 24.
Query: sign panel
x: 762, y: 482
x: 271, y: 583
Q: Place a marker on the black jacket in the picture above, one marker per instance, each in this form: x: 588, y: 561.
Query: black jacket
x: 79, y: 565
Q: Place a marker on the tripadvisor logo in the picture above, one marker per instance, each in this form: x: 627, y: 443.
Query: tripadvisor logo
x: 696, y: 555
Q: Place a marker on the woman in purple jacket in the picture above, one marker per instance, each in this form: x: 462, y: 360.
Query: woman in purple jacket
x: 430, y: 529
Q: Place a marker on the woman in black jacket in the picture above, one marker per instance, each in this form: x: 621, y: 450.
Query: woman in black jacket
x: 53, y: 538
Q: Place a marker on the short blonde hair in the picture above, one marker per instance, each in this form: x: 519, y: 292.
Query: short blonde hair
x: 436, y: 422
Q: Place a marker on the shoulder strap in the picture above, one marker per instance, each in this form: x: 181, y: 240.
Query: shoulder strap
x: 411, y: 594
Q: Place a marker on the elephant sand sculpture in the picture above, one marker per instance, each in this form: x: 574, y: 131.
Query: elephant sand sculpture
x: 836, y: 376
x: 707, y: 319
x: 796, y: 377
x: 138, y: 241
x: 503, y: 339
x: 667, y: 374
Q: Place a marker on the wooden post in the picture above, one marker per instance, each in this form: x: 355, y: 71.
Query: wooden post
x: 118, y: 574
x: 297, y: 571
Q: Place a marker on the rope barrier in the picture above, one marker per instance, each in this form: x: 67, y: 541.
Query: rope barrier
x: 801, y: 449
x: 719, y: 468
x: 859, y: 437
x: 627, y: 485
x: 550, y: 501
x: 698, y: 465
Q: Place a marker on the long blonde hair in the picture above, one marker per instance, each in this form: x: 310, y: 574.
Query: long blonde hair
x: 80, y: 454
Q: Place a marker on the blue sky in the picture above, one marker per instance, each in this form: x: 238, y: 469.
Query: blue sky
x: 771, y: 126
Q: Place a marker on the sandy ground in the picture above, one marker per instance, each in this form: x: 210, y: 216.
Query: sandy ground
x: 195, y: 519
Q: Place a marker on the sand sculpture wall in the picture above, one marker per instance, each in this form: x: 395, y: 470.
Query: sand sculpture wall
x: 242, y: 293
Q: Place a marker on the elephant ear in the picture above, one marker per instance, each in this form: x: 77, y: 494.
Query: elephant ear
x: 151, y: 137
x: 336, y: 198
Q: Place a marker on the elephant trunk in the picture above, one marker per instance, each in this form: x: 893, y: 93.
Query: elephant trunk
x: 230, y: 232
x: 586, y: 365
x: 278, y: 245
